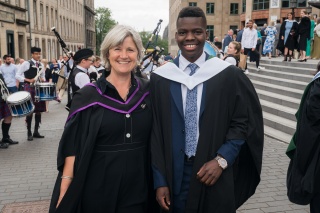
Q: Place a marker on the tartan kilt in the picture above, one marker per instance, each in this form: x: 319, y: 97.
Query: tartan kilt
x: 38, y: 106
x: 4, y: 110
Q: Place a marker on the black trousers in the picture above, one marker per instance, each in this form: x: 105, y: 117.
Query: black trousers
x: 253, y: 54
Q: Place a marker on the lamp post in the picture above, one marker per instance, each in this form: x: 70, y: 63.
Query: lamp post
x: 293, y: 5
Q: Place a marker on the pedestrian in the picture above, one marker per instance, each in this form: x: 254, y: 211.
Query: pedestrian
x: 316, y: 44
x: 103, y: 153
x: 201, y: 108
x: 271, y: 33
x: 310, y: 41
x: 27, y: 73
x: 288, y: 37
x: 304, y: 149
x: 253, y: 57
x: 92, y: 71
x: 5, y: 114
x: 79, y: 75
x: 249, y: 43
x: 48, y: 76
x: 227, y: 39
x: 9, y: 71
x: 304, y: 33
x: 275, y: 51
x: 233, y: 53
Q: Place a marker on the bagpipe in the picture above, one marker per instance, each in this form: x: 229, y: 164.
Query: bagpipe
x: 153, y: 55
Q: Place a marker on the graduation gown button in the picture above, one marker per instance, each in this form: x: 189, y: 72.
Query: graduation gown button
x: 127, y: 115
x: 128, y: 135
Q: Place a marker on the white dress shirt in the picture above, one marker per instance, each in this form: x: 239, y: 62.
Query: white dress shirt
x: 25, y: 67
x: 81, y: 78
x: 9, y: 74
x: 249, y: 38
x: 183, y: 65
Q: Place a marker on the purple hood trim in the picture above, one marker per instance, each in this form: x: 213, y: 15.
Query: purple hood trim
x: 109, y: 107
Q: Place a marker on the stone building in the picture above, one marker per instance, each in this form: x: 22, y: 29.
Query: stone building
x: 232, y: 14
x: 67, y: 16
x: 90, y: 34
x: 221, y: 16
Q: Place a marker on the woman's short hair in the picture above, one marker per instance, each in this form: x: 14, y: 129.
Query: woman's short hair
x: 271, y: 23
x: 115, y: 37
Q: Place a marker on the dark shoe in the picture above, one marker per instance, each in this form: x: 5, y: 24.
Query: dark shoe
x: 9, y: 141
x: 289, y: 58
x: 285, y: 58
x: 4, y: 145
x: 30, y: 138
x: 37, y: 135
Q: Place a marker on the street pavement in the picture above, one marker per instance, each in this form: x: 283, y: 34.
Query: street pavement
x: 28, y: 170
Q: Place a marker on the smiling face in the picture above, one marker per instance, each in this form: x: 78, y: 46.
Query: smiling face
x: 123, y: 58
x: 289, y: 16
x: 36, y: 56
x: 231, y: 49
x: 191, y: 36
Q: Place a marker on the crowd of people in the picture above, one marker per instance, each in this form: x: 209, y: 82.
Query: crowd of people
x: 188, y: 137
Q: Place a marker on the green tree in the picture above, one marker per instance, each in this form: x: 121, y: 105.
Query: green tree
x: 162, y: 43
x: 104, y: 23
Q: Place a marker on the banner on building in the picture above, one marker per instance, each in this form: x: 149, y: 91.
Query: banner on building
x: 275, y: 4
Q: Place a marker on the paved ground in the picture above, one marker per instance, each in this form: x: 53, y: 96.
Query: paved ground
x: 28, y: 170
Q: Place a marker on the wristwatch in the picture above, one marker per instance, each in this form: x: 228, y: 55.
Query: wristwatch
x: 222, y: 162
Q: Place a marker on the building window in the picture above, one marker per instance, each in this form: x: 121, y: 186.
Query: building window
x: 35, y: 17
x: 233, y: 27
x: 47, y: 18
x: 243, y: 6
x: 41, y: 15
x: 210, y: 29
x: 52, y: 18
x: 261, y: 4
x: 192, y: 4
x: 234, y: 8
x: 285, y: 3
x: 210, y: 8
x: 302, y: 3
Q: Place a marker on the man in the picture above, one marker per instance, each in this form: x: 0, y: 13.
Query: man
x: 249, y: 43
x: 98, y: 66
x: 275, y: 51
x: 79, y: 76
x: 5, y: 114
x: 27, y: 73
x: 9, y: 71
x: 207, y: 138
x: 239, y: 34
x: 227, y: 39
x: 304, y: 149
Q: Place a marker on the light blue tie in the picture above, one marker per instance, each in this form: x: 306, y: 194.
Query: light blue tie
x: 190, y: 118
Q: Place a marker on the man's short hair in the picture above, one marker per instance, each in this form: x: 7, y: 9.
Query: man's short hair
x: 5, y: 57
x: 218, y: 44
x: 192, y: 11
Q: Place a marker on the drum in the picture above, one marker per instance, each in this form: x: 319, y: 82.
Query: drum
x: 20, y: 103
x: 209, y: 48
x: 45, y: 92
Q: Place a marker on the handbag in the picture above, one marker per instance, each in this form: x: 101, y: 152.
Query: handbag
x: 243, y: 61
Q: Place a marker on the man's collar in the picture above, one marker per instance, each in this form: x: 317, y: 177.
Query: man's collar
x: 183, y: 62
x: 34, y: 61
x: 82, y: 69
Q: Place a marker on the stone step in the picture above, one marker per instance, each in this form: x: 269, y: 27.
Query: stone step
x: 279, y: 110
x: 276, y: 134
x: 283, y: 100
x: 278, y: 81
x: 282, y: 90
x: 283, y: 75
x: 310, y: 64
x: 283, y: 68
x: 281, y: 124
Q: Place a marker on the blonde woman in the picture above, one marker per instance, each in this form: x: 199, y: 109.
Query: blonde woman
x: 271, y: 33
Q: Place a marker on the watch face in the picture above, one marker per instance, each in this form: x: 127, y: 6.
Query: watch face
x: 223, y: 163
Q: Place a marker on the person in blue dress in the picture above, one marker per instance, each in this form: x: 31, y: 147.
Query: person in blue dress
x: 271, y: 32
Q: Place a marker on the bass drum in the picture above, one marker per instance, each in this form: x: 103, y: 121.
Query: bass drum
x: 209, y: 48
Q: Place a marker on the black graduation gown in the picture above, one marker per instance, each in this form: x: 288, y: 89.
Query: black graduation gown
x: 291, y: 41
x: 110, y: 166
x: 303, y: 177
x: 229, y: 94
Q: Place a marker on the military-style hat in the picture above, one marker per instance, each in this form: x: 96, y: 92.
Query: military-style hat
x: 35, y: 49
x: 82, y: 54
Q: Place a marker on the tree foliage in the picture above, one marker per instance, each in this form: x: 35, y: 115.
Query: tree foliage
x: 162, y: 43
x: 104, y: 23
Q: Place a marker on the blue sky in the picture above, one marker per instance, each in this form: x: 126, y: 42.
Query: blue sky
x: 139, y: 14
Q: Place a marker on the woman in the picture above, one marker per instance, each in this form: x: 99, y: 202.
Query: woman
x: 310, y: 41
x: 315, y: 54
x: 288, y: 37
x: 48, y: 77
x: 271, y: 32
x: 102, y: 156
x: 233, y: 53
x: 304, y: 33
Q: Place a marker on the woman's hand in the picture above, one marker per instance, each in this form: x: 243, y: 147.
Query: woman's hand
x: 59, y: 200
x: 282, y: 37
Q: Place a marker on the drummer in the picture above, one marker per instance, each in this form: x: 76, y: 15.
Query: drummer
x: 27, y: 73
x: 6, y: 123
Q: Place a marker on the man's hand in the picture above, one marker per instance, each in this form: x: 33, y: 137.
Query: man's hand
x: 163, y: 197
x: 209, y: 173
x: 283, y: 37
x: 253, y: 49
